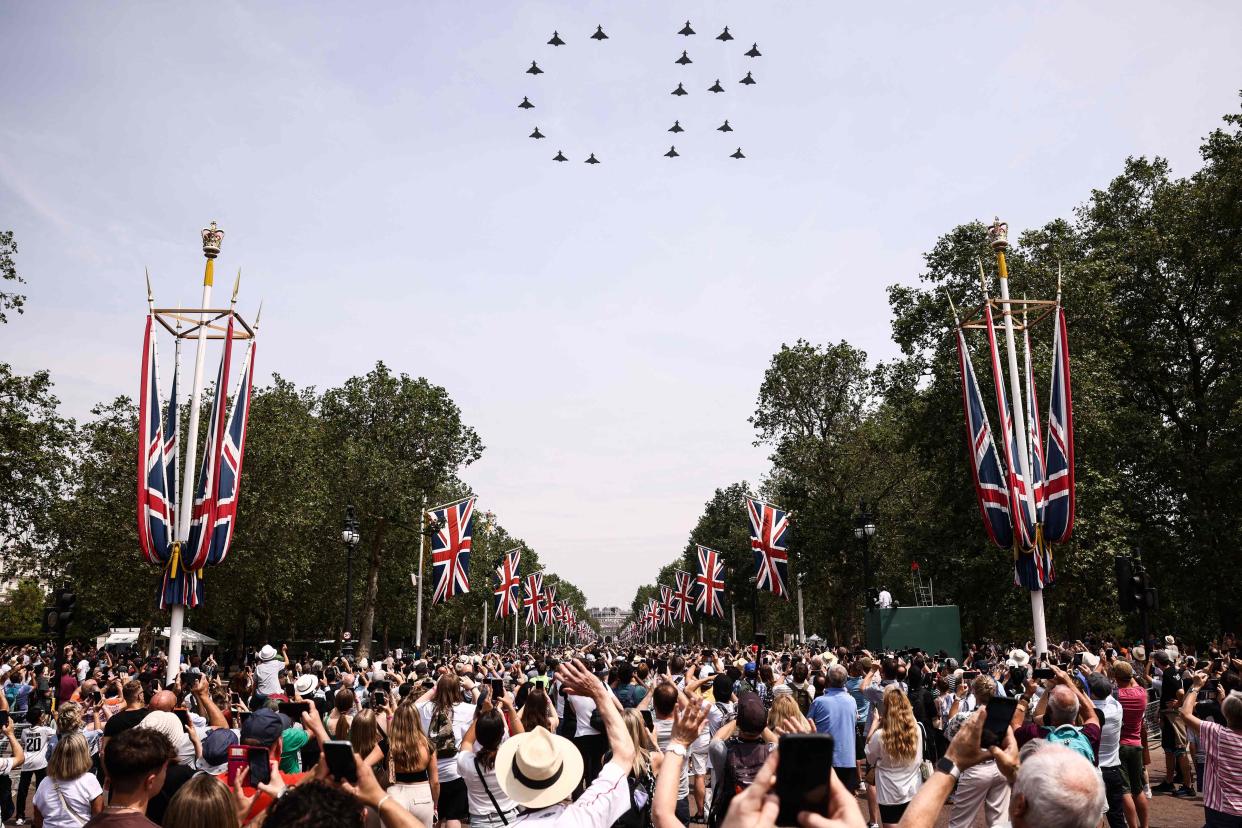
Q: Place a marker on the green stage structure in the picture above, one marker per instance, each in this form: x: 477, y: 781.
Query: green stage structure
x: 906, y: 628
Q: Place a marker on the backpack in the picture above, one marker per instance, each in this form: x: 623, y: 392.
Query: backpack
x: 441, y: 733
x: 642, y: 789
x: 1073, y: 738
x: 741, y: 766
x: 802, y: 696
x: 726, y: 715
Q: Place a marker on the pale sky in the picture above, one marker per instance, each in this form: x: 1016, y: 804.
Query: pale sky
x: 605, y: 328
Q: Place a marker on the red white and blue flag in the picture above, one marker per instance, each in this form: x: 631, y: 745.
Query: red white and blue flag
x: 1034, y: 440
x: 664, y: 612
x: 990, y: 490
x: 547, y: 602
x: 1021, y: 502
x: 709, y: 583
x: 156, y: 515
x: 229, y: 464
x: 508, y: 582
x: 682, y: 598
x: 769, y: 533
x: 450, y: 549
x: 1059, y: 455
x: 534, y: 594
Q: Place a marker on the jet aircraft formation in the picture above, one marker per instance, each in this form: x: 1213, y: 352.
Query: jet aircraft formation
x: 680, y: 91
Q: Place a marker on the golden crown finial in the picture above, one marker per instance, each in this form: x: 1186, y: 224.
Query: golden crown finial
x: 212, y: 237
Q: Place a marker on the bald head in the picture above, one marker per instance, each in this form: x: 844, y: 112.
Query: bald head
x: 164, y: 700
x: 1062, y: 705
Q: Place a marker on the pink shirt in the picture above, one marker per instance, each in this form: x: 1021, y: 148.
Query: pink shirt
x: 1133, y: 705
x: 1222, y: 778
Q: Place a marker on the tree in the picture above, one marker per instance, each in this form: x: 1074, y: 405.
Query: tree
x: 21, y: 611
x: 391, y: 441
x: 8, y: 273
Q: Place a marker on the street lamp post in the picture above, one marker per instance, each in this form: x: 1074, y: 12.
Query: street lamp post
x: 349, y: 537
x: 864, y: 530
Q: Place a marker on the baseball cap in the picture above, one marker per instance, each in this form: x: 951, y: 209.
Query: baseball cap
x: 264, y: 727
x: 751, y: 715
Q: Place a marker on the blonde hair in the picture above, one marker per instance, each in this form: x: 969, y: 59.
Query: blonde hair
x: 784, y: 709
x: 408, y: 745
x: 900, y: 732
x: 641, y: 737
x: 69, y: 718
x: 364, y: 732
x: 202, y: 802
x: 70, y: 758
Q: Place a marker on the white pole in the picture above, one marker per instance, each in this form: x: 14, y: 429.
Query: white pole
x: 733, y: 610
x: 1000, y: 241
x: 212, y: 236
x: 801, y: 618
x: 422, y: 540
x: 485, y: 624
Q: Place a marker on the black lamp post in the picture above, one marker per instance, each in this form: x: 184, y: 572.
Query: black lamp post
x: 349, y: 537
x: 864, y: 530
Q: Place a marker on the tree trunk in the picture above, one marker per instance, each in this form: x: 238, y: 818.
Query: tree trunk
x: 374, y: 557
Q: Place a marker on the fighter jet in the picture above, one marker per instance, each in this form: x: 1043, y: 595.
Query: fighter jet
x: 537, y: 134
x: 560, y: 156
x: 748, y: 80
x: 680, y: 90
x: 737, y: 154
x: 687, y: 31
x: 534, y: 69
x: 724, y: 127
x: 754, y: 51
x: 599, y: 35
x: 526, y: 104
x: 684, y: 59
x: 556, y: 40
x: 672, y: 153
x: 724, y: 35
x: 716, y: 87
x: 676, y: 127
x: 592, y: 159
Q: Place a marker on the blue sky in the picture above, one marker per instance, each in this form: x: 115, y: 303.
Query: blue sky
x: 605, y: 328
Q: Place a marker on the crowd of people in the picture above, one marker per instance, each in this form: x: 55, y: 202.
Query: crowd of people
x: 612, y: 734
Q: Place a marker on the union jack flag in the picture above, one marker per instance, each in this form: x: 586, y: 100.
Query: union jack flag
x: 710, y: 583
x: 682, y: 598
x: 769, y: 531
x: 450, y: 548
x: 1034, y: 440
x: 508, y: 582
x: 990, y: 491
x: 547, y: 604
x: 172, y: 440
x: 534, y: 593
x: 229, y: 464
x: 664, y: 611
x: 652, y: 616
x: 1021, y: 503
x: 1059, y: 510
x: 155, y: 511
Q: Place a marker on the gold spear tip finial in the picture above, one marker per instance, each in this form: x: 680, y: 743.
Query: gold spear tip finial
x: 150, y: 297
x: 236, y: 285
x: 983, y: 277
x: 258, y: 315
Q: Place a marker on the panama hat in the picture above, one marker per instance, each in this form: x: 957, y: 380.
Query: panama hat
x: 306, y: 684
x: 267, y: 653
x: 537, y: 769
x: 1018, y: 658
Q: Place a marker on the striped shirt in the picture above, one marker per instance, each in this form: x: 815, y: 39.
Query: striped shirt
x: 1222, y: 778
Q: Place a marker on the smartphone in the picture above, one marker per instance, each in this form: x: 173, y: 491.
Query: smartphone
x: 1043, y: 673
x: 1077, y: 662
x: 183, y: 715
x: 802, y: 782
x: 238, y: 758
x: 648, y: 720
x: 1210, y: 688
x: 236, y: 699
x: 255, y: 759
x: 378, y: 699
x: 996, y: 723
x: 340, y: 759
x: 498, y: 689
x: 1188, y: 683
x: 293, y: 710
x: 970, y: 675
x: 4, y: 718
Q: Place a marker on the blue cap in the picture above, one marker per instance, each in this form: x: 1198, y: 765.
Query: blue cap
x: 264, y: 727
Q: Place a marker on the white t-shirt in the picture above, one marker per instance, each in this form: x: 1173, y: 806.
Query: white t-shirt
x: 716, y: 715
x: 34, y: 742
x: 463, y: 715
x: 83, y: 667
x: 664, y: 734
x: 1110, y: 735
x: 894, y: 784
x: 584, y: 706
x: 885, y: 601
x: 605, y: 801
x: 53, y: 795
x: 476, y: 794
x: 267, y: 677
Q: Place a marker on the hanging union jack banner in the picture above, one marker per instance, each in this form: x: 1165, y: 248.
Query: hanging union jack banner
x: 228, y: 466
x: 682, y: 598
x: 155, y: 509
x: 769, y: 532
x: 1059, y: 471
x: 985, y: 466
x: 665, y: 608
x: 508, y: 582
x: 450, y: 548
x: 547, y: 602
x: 1034, y: 440
x: 709, y: 583
x: 1021, y: 502
x: 530, y: 603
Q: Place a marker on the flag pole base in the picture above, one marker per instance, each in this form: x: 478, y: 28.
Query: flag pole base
x: 1037, y: 621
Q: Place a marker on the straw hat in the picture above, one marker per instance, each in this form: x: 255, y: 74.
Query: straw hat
x: 1018, y: 658
x: 537, y: 769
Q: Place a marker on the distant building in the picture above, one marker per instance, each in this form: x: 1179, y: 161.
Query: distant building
x: 610, y: 619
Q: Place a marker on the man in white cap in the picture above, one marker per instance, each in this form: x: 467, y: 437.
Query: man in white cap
x: 540, y: 770
x: 267, y: 671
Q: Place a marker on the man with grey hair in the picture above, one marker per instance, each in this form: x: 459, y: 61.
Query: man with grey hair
x: 1057, y: 715
x: 1055, y: 786
x: 834, y: 713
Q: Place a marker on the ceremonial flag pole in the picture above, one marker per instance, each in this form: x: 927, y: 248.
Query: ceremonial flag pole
x: 212, y: 237
x: 998, y: 235
x: 422, y: 546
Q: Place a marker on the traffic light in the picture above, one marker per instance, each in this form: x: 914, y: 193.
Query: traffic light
x: 66, y: 601
x: 1125, y: 582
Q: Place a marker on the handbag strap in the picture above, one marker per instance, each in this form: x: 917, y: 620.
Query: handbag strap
x: 64, y: 802
x: 488, y: 789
